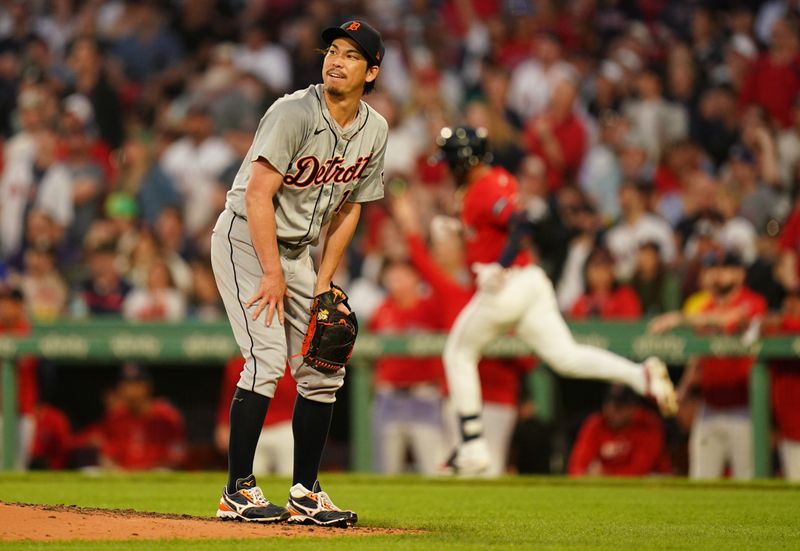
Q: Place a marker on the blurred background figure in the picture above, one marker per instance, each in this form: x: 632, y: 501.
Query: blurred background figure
x: 604, y: 298
x: 407, y: 412
x: 158, y: 300
x: 722, y: 434
x: 623, y: 439
x: 139, y: 431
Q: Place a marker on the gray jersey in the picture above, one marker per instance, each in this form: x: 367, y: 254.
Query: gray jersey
x: 323, y: 166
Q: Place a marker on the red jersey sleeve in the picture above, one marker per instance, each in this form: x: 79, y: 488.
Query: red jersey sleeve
x: 501, y: 199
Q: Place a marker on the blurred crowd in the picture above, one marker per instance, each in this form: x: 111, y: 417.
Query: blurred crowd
x: 659, y: 142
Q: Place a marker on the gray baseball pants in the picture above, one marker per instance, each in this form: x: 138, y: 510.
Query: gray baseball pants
x: 266, y: 349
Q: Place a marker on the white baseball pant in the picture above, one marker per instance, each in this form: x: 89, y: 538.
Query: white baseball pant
x: 408, y: 419
x: 790, y: 459
x: 720, y: 437
x: 275, y: 450
x: 238, y: 272
x: 525, y: 303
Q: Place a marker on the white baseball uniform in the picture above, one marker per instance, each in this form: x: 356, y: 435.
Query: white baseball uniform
x: 521, y: 299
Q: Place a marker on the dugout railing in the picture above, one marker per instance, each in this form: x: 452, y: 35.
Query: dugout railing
x: 110, y: 341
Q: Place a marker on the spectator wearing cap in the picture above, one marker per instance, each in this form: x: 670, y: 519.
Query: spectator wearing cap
x: 604, y: 297
x: 721, y: 434
x: 636, y: 226
x: 533, y: 82
x: 622, y: 439
x: 773, y: 81
x: 195, y: 163
x: 558, y: 136
x: 138, y: 430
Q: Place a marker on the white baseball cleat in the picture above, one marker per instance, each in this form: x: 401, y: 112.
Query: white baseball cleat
x: 470, y: 458
x: 316, y: 507
x: 658, y: 386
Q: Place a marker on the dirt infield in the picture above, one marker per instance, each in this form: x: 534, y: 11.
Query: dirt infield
x: 20, y: 521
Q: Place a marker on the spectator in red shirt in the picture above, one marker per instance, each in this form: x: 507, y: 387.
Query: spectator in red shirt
x: 408, y: 396
x: 722, y: 432
x: 623, y: 439
x: 52, y: 439
x: 558, y: 136
x: 604, y: 297
x: 139, y: 431
x: 774, y: 80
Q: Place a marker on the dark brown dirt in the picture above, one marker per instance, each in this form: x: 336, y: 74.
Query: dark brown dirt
x: 21, y: 521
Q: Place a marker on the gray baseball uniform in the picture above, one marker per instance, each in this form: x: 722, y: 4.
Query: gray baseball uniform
x: 323, y: 166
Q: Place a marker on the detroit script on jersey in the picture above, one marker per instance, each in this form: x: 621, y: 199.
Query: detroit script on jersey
x: 310, y: 170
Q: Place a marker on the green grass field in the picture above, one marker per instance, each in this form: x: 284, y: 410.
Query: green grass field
x: 519, y: 513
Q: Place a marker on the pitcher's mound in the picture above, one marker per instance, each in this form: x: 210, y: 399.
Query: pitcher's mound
x: 21, y: 521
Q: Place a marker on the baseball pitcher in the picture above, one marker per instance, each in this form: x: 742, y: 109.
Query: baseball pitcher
x: 317, y: 155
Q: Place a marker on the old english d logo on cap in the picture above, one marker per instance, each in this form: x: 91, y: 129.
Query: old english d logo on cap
x: 368, y: 39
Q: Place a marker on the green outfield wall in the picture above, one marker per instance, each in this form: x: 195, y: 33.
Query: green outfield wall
x: 112, y: 340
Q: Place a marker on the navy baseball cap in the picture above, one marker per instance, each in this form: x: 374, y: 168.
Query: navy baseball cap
x: 367, y: 38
